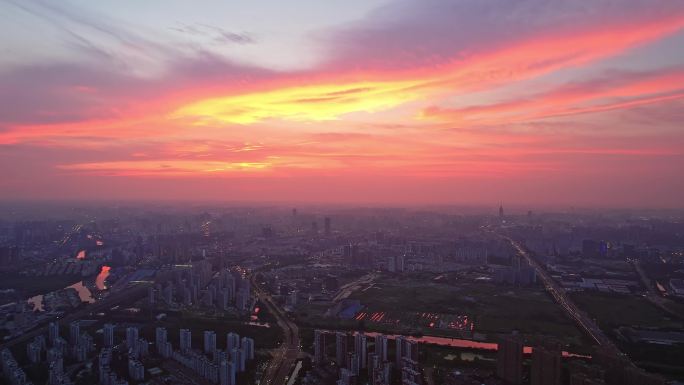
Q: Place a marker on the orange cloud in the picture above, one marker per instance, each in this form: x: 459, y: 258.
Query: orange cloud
x: 326, y: 98
x: 626, y: 91
x: 169, y: 167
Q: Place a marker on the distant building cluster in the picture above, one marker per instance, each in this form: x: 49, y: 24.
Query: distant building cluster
x: 215, y: 365
x: 520, y: 273
x: 195, y: 286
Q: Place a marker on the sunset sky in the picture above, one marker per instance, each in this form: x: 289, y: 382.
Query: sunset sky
x: 526, y: 102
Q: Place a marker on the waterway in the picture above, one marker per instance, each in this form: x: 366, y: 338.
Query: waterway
x: 101, y: 279
x: 84, y: 293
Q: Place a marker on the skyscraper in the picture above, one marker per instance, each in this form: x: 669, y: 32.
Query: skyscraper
x: 399, y: 344
x: 247, y: 344
x: 160, y: 339
x: 353, y: 363
x: 240, y: 359
x: 400, y: 264
x: 74, y: 332
x: 232, y: 341
x: 131, y: 337
x: 151, y: 296
x: 546, y: 366
x: 361, y: 349
x: 53, y: 331
x: 391, y: 264
x: 108, y: 332
x: 209, y: 342
x: 185, y: 340
x: 509, y: 360
x: 226, y: 373
x: 319, y: 347
x: 381, y: 347
x: 410, y: 351
x: 328, y: 229
x: 341, y: 348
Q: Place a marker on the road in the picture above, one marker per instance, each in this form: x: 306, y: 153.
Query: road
x: 653, y: 296
x: 346, y: 290
x: 286, y: 355
x: 561, y: 297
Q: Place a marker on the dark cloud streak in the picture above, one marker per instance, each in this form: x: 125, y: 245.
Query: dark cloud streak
x: 217, y: 34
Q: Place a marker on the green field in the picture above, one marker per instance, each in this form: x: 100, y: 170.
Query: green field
x: 493, y: 308
x: 612, y: 310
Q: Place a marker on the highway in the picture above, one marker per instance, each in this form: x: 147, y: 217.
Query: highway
x: 286, y: 355
x: 559, y: 294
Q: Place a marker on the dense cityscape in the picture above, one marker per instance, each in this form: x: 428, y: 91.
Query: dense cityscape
x: 127, y: 294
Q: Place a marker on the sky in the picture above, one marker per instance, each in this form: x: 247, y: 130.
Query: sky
x: 526, y: 102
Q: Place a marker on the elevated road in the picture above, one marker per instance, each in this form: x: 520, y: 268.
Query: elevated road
x: 561, y: 297
x: 284, y: 357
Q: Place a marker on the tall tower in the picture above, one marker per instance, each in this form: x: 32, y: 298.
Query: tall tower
x: 327, y: 226
x: 501, y: 211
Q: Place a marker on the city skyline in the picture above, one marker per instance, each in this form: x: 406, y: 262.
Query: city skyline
x: 359, y: 102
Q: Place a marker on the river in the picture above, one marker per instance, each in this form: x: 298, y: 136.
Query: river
x: 84, y: 293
